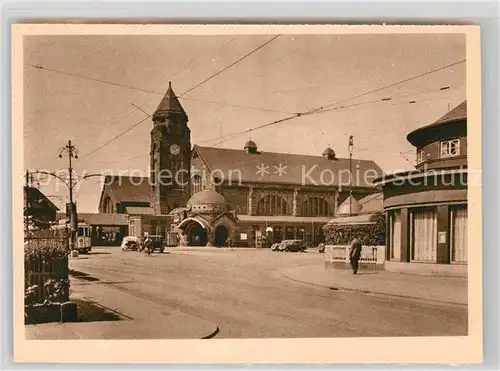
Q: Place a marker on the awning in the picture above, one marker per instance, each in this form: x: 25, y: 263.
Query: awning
x: 137, y: 210
x: 355, y: 219
x: 283, y: 219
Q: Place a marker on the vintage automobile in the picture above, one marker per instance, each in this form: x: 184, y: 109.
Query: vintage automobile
x: 274, y: 246
x: 158, y: 243
x: 130, y: 243
x: 292, y: 245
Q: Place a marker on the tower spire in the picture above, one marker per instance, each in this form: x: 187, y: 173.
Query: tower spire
x: 169, y: 104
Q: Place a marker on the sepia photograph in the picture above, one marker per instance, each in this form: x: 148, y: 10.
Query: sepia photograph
x: 234, y: 183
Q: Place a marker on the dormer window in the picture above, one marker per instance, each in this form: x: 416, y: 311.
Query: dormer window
x: 420, y: 156
x: 450, y: 148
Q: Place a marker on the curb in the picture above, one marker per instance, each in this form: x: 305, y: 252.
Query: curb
x: 369, y: 292
x: 212, y: 334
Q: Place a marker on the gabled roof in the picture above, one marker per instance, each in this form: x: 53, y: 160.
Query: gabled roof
x: 38, y: 200
x: 169, y: 103
x: 345, y: 207
x: 127, y: 189
x: 295, y: 169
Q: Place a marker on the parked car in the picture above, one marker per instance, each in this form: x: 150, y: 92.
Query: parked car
x: 292, y: 245
x: 158, y: 243
x: 274, y: 246
x: 130, y: 243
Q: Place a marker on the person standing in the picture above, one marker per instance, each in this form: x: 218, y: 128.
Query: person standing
x: 355, y: 254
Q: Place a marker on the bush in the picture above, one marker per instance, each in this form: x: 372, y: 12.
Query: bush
x: 46, y: 249
x: 45, y: 270
x: 369, y: 234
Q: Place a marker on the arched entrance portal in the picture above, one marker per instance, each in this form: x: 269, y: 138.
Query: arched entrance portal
x: 221, y: 235
x: 197, y: 235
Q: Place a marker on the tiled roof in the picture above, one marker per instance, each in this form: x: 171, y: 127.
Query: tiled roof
x: 131, y: 189
x: 456, y: 115
x: 372, y: 203
x: 36, y: 198
x: 296, y: 169
x: 169, y: 103
x: 345, y: 207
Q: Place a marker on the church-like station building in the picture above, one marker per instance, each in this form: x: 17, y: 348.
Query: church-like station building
x: 216, y: 196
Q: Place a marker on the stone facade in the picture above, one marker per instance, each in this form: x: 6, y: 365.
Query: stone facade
x: 170, y: 156
x: 296, y: 207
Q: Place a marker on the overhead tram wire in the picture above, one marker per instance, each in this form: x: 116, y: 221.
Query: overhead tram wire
x: 323, y: 108
x: 115, y: 137
x: 296, y: 115
x: 180, y: 74
x: 389, y: 86
x: 229, y: 66
x: 191, y: 89
x: 148, y: 91
x: 234, y: 135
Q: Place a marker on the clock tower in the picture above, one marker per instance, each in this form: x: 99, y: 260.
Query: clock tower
x: 170, y: 155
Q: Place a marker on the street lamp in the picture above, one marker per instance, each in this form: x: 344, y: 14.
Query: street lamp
x: 72, y: 153
x: 350, y: 147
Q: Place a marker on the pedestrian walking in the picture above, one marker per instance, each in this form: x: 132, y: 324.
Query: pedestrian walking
x: 355, y: 254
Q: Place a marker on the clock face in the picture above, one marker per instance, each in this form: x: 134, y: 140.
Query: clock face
x: 175, y: 149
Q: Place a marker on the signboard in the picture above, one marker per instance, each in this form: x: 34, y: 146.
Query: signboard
x: 442, y: 237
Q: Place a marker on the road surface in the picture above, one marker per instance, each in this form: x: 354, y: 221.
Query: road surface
x: 244, y: 293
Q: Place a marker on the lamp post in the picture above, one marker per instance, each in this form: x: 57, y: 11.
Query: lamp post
x: 72, y: 153
x: 350, y: 148
x: 71, y: 183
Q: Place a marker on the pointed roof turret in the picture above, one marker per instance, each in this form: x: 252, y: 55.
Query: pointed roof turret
x: 169, y: 104
x: 345, y: 207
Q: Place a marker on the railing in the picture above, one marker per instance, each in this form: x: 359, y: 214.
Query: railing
x: 369, y: 254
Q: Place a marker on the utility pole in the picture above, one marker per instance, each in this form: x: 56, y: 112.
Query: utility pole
x: 72, y: 153
x: 350, y: 147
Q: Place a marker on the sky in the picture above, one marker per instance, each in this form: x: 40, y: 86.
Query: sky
x: 291, y: 74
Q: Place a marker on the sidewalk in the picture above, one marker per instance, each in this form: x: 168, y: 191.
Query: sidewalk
x: 450, y: 290
x: 140, y: 319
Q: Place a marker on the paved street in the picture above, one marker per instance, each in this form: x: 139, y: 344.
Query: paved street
x: 246, y: 295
